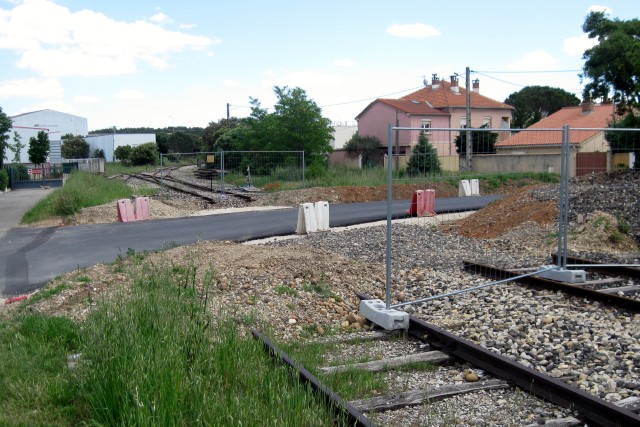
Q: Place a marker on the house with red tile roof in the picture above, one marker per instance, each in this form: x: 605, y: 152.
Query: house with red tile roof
x: 588, y: 146
x: 441, y: 104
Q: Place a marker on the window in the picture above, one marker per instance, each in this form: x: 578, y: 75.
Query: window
x: 426, y: 125
x: 486, y: 121
x: 505, y: 123
x: 463, y: 121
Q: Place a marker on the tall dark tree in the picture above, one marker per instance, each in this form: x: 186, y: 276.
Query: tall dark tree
x: 74, y: 147
x: 424, y: 158
x: 534, y: 103
x: 39, y: 148
x: 367, y: 146
x: 5, y: 125
x: 482, y: 142
x: 214, y: 131
x: 613, y: 65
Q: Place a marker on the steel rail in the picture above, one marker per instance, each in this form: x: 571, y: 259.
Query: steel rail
x: 601, y: 267
x: 340, y: 407
x: 592, y: 408
x: 540, y: 283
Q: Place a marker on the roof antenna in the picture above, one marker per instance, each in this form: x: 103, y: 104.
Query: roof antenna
x: 424, y: 81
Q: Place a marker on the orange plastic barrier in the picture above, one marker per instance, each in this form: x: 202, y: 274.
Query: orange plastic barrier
x: 125, y: 211
x: 142, y: 208
x: 423, y: 203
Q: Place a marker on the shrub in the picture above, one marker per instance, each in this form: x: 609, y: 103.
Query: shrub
x: 144, y: 154
x: 66, y: 204
x: 4, y: 179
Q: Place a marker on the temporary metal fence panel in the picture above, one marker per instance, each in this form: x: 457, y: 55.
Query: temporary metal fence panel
x: 256, y: 170
x: 581, y: 165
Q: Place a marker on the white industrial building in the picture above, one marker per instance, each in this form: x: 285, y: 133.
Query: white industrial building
x: 54, y: 123
x: 342, y: 134
x: 109, y: 142
x: 57, y: 124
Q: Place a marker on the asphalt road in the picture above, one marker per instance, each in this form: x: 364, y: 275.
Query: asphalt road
x: 29, y: 257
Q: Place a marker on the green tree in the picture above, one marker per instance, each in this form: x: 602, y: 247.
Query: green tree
x: 534, y: 103
x: 367, y: 146
x: 74, y: 147
x: 613, y: 65
x: 144, y: 154
x: 39, y: 148
x: 5, y: 125
x: 98, y: 153
x: 624, y: 142
x: 215, y: 131
x: 295, y: 125
x: 17, y: 146
x: 424, y: 158
x: 123, y: 153
x: 482, y: 142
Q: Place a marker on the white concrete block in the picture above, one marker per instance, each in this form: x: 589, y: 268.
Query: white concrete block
x: 374, y: 310
x: 322, y: 215
x: 307, y: 222
x: 567, y: 276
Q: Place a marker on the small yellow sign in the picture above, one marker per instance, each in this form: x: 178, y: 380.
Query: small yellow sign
x: 211, y: 158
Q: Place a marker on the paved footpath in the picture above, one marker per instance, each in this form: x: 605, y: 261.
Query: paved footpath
x: 14, y: 204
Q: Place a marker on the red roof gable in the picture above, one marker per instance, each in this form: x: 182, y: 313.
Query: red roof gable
x: 441, y: 95
x: 599, y: 118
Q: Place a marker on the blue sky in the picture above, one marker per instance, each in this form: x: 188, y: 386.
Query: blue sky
x: 168, y: 63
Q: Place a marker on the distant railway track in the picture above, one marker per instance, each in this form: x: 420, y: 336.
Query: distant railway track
x: 211, y: 195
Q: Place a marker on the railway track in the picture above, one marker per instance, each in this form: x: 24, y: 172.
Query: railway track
x: 611, y: 295
x: 428, y: 353
x: 208, y: 193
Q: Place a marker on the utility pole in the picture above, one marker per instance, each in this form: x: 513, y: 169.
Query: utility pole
x: 397, y: 143
x: 468, y: 119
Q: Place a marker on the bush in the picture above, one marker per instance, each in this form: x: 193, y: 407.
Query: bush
x: 4, y: 179
x: 144, y: 154
x: 123, y: 153
x: 66, y: 204
x: 317, y: 168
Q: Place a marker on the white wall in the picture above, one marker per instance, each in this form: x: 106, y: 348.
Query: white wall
x: 109, y: 142
x: 342, y: 134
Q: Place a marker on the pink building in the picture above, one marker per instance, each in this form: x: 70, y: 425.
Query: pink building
x: 441, y: 104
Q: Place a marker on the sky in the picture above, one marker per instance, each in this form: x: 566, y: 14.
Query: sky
x: 165, y: 63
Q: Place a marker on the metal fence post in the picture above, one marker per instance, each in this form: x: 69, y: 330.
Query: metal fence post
x: 563, y: 199
x: 161, y: 174
x: 389, y: 213
x: 303, y: 182
x: 222, y: 173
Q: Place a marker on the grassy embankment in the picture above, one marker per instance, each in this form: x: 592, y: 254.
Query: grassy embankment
x: 81, y: 190
x: 153, y: 355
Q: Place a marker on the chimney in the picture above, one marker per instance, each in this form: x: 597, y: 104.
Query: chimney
x: 475, y: 86
x: 454, y: 84
x: 434, y: 79
x: 587, y: 106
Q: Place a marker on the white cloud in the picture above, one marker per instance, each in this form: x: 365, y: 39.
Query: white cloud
x: 130, y: 94
x: 575, y: 46
x: 231, y: 83
x: 54, y: 41
x: 536, y: 60
x: 415, y: 31
x: 344, y: 62
x: 35, y: 88
x: 187, y: 26
x: 597, y: 8
x: 83, y: 99
x: 160, y: 18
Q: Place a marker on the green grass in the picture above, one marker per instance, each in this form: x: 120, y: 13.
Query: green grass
x: 117, y: 168
x: 46, y: 293
x: 153, y: 355
x: 82, y: 190
x: 37, y: 388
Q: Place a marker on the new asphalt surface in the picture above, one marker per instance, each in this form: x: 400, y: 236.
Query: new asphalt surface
x: 29, y: 257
